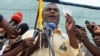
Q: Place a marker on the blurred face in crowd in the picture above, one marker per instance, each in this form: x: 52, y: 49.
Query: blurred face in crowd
x: 92, y: 28
x: 97, y: 40
x: 51, y: 13
x: 83, y: 30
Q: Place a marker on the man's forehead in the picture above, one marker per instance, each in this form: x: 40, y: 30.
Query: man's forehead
x: 51, y: 5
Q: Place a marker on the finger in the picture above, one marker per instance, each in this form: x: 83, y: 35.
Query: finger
x: 11, y: 36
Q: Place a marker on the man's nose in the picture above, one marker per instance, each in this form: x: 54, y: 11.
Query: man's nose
x: 52, y: 11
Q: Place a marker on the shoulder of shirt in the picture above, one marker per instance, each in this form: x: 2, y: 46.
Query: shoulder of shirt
x: 58, y: 31
x: 27, y: 34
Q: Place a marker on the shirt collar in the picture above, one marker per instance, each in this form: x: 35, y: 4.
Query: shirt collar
x: 57, y: 31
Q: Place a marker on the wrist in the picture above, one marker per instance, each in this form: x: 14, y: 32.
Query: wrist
x: 85, y: 39
x: 20, y: 47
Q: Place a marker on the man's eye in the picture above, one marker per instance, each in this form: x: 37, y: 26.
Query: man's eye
x: 56, y: 10
x: 48, y: 9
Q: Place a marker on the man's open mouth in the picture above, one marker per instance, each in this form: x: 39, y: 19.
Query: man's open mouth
x: 52, y: 17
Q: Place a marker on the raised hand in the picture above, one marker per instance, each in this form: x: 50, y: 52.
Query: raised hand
x: 69, y: 24
x: 80, y: 34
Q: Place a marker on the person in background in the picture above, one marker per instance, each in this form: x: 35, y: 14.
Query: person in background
x: 10, y: 31
x: 13, y: 49
x: 95, y: 51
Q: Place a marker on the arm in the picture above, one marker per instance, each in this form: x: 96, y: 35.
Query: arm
x: 93, y: 49
x: 70, y: 25
x: 14, y: 52
x: 23, y: 45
